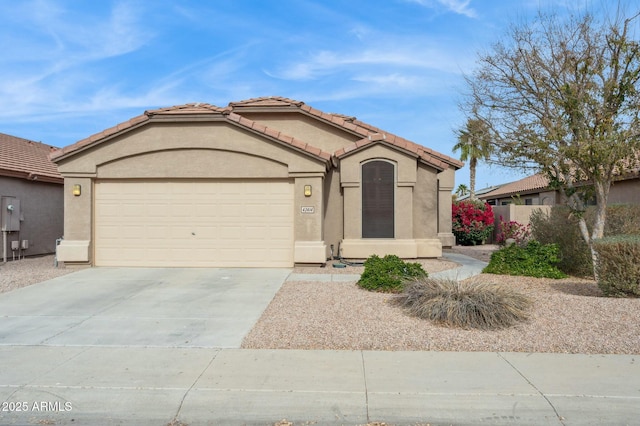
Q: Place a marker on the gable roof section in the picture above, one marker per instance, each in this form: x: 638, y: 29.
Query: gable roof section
x: 370, y: 134
x: 26, y: 159
x: 192, y: 111
x: 233, y: 114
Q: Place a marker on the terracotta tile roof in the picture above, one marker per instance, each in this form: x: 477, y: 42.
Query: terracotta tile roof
x: 25, y: 159
x: 233, y: 114
x: 532, y: 183
x: 369, y: 133
x: 269, y: 101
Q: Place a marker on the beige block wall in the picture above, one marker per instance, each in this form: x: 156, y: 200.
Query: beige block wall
x: 518, y: 213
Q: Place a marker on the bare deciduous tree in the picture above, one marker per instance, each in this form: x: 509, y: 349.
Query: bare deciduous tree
x: 562, y: 97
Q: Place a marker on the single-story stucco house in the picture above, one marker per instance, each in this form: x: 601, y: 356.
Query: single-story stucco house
x: 266, y: 182
x: 31, y: 198
x: 534, y: 190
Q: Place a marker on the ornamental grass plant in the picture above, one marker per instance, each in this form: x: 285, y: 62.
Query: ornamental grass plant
x: 469, y: 304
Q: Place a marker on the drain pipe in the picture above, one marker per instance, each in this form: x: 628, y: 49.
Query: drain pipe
x: 343, y: 261
x: 4, y: 246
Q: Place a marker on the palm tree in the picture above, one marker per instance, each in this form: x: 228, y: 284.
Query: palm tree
x: 462, y: 190
x: 474, y: 144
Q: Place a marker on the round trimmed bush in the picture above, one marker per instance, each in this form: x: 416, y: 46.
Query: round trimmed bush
x: 388, y: 274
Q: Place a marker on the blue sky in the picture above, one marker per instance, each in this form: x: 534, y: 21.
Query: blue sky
x: 72, y: 68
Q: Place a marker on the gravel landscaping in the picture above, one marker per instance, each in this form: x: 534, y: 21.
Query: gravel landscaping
x: 568, y: 315
x: 31, y: 270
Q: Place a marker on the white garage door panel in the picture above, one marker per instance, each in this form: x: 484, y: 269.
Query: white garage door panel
x: 194, y: 223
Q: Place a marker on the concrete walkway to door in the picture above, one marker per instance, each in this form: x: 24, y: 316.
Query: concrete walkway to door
x: 155, y: 307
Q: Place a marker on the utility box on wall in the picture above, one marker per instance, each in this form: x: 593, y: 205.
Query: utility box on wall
x: 10, y: 214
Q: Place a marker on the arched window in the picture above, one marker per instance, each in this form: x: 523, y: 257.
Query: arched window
x: 378, y: 187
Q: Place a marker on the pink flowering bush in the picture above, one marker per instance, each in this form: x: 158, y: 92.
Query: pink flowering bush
x: 513, y: 230
x: 472, y: 222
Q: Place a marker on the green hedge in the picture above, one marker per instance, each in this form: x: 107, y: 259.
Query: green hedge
x: 618, y: 265
x: 388, y: 274
x: 532, y: 260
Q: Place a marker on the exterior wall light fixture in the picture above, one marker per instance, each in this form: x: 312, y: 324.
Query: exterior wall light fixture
x: 77, y: 190
x: 307, y: 190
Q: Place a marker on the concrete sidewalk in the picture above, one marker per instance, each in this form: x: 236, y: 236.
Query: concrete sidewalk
x: 469, y: 267
x: 197, y: 386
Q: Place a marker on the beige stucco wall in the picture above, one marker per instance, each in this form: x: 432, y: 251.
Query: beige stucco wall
x: 191, y: 150
x: 408, y: 214
x: 41, y: 208
x: 425, y: 206
x: 333, y: 211
x: 219, y: 136
x: 308, y: 129
x: 446, y: 182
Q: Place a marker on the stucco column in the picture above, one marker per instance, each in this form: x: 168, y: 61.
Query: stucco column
x: 75, y: 248
x: 309, y: 246
x: 446, y: 182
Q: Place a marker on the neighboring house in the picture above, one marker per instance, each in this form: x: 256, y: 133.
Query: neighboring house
x: 31, y: 198
x: 515, y: 201
x: 261, y: 182
x: 534, y: 190
x: 479, y: 192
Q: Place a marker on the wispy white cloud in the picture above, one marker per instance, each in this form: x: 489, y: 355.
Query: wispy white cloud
x: 460, y: 7
x: 53, y: 64
x: 401, y: 54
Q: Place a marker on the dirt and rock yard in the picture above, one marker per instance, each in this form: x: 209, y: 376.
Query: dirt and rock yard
x: 568, y: 315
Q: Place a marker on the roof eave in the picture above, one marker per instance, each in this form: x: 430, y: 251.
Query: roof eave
x: 34, y: 177
x: 366, y: 143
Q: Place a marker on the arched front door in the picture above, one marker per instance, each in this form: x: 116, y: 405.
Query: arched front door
x: 378, y: 186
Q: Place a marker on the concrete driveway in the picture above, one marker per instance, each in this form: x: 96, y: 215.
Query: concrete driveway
x: 205, y: 308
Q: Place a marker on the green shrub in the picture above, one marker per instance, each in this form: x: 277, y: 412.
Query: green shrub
x: 618, y: 266
x: 532, y: 260
x: 469, y: 304
x: 561, y: 227
x: 388, y: 274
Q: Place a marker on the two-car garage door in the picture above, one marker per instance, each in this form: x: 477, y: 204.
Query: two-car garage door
x: 185, y: 223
